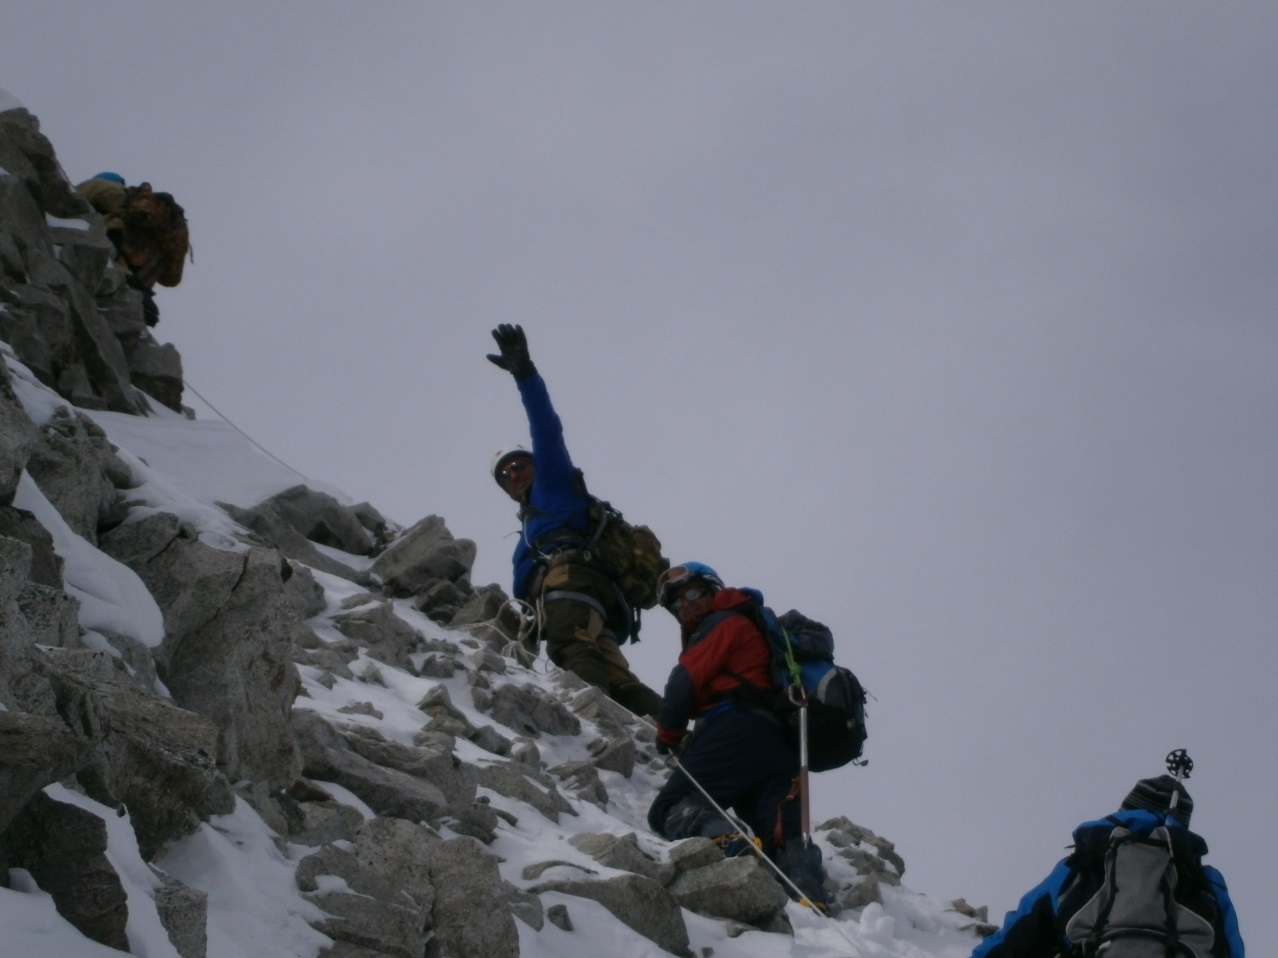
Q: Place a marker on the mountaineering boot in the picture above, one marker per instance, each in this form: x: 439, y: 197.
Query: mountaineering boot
x: 691, y: 818
x: 735, y: 844
x: 801, y: 863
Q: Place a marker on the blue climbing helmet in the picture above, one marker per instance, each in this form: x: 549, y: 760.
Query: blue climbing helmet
x: 113, y: 177
x: 680, y: 575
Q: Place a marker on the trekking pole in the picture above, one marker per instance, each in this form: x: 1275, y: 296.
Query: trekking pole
x: 1180, y: 765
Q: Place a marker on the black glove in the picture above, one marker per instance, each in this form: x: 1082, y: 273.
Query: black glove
x: 514, y: 356
x: 663, y: 748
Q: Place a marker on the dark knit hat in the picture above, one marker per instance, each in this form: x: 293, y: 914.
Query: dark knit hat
x: 1155, y: 795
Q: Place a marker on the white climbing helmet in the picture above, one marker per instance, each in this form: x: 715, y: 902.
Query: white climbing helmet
x: 504, y: 455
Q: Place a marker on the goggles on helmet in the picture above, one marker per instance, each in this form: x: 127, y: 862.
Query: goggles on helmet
x: 676, y: 577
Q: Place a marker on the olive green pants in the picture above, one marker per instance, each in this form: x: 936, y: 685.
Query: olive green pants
x: 578, y: 639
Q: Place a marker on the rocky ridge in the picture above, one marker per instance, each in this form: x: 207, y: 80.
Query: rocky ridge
x: 303, y: 662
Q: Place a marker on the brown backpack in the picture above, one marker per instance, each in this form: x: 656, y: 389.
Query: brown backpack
x: 630, y: 555
x: 156, y: 239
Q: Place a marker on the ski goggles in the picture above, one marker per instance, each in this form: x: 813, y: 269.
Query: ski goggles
x: 676, y: 577
x: 512, y: 469
x: 691, y: 594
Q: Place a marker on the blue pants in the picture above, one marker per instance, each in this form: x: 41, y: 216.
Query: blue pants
x: 747, y: 764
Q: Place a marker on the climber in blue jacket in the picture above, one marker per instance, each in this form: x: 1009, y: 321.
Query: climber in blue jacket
x: 1077, y: 908
x: 580, y: 611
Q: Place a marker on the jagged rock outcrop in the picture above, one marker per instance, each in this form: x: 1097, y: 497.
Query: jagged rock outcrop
x: 64, y: 849
x: 377, y: 893
x: 78, y: 471
x: 475, y: 909
x: 328, y: 755
x: 139, y: 751
x: 423, y: 554
x: 67, y: 310
x: 18, y: 438
x: 875, y: 859
x: 229, y: 636
x: 298, y: 519
x: 34, y: 752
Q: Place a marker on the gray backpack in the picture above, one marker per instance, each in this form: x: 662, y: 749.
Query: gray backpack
x: 1135, y: 913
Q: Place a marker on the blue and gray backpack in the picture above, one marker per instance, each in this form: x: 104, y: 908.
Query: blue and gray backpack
x: 804, y: 671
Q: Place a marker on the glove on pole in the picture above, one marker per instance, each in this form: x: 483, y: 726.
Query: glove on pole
x: 1180, y: 765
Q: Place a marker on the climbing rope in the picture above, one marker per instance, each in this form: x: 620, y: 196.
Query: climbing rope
x: 756, y: 849
x: 224, y: 419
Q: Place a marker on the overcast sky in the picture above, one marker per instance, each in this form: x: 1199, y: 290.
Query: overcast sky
x: 951, y: 324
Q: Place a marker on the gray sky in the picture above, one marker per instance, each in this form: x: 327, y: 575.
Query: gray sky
x: 952, y: 325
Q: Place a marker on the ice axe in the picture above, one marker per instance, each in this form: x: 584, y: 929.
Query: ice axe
x: 805, y: 815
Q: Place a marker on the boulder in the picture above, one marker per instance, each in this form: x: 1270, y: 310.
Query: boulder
x: 49, y: 275
x: 184, y: 913
x: 486, y: 612
x: 327, y: 756
x: 529, y: 711
x: 474, y: 906
x: 52, y: 615
x: 381, y: 633
x: 229, y: 638
x: 432, y: 760
x: 639, y: 903
x: 421, y: 555
x: 143, y: 753
x: 42, y: 565
x: 35, y: 751
x: 298, y: 518
x: 623, y: 853
x: 73, y: 464
x: 21, y: 689
x: 322, y: 822
x: 615, y: 754
x: 305, y: 594
x: 18, y: 437
x: 582, y: 779
x: 512, y: 781
x: 875, y: 860
x: 738, y: 888
x: 64, y: 848
x: 155, y: 368
x: 378, y: 895
x: 693, y: 853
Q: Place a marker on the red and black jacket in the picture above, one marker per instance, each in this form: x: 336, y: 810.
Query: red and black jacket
x: 721, y: 653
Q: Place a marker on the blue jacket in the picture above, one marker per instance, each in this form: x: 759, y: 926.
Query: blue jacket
x: 558, y: 499
x: 1034, y: 929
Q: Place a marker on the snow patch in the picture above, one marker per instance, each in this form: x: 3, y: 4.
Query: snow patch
x: 112, y: 597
